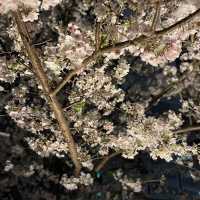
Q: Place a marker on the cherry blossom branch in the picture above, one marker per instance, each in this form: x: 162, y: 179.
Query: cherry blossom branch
x: 188, y: 129
x: 168, y: 91
x: 105, y: 160
x: 75, y: 72
x: 179, y: 24
x: 97, y: 36
x: 121, y: 45
x: 43, y: 79
x: 156, y: 16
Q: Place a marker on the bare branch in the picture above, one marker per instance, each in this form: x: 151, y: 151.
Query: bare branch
x: 105, y: 160
x: 188, y: 129
x: 168, y: 91
x: 156, y: 16
x: 97, y: 36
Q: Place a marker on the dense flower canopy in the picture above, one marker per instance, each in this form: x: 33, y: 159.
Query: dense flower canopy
x: 110, y: 102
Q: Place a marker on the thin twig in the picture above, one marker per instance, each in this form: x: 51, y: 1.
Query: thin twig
x: 4, y: 134
x: 121, y: 45
x: 179, y: 24
x: 22, y: 62
x: 105, y: 160
x: 43, y: 79
x: 151, y: 181
x: 6, y: 53
x: 73, y: 73
x: 188, y: 129
x: 156, y: 16
x: 41, y: 43
x: 97, y: 36
x: 166, y: 92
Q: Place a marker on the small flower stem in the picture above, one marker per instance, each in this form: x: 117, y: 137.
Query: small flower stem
x: 43, y: 79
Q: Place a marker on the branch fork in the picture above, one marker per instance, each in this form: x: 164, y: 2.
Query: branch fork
x: 52, y: 99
